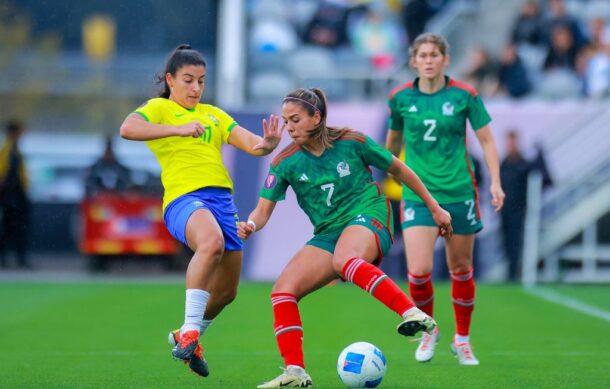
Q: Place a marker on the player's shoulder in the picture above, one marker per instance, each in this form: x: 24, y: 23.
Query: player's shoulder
x: 286, y: 153
x: 155, y: 102
x: 351, y: 135
x: 407, y: 86
x: 462, y: 86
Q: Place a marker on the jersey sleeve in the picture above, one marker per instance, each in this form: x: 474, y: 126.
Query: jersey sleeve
x: 395, y: 121
x: 275, y: 185
x: 150, y: 111
x: 375, y: 155
x: 477, y: 114
x: 226, y: 123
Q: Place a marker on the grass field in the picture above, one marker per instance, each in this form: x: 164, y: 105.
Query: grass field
x: 113, y: 335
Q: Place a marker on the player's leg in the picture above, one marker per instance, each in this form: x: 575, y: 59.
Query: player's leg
x: 309, y: 269
x: 459, y: 259
x: 361, y: 245
x: 204, y: 236
x: 419, y: 250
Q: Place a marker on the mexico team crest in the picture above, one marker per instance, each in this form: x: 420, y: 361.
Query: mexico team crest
x: 343, y: 169
x: 448, y: 109
x: 270, y: 181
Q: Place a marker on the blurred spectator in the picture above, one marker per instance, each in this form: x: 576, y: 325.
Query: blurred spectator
x: 512, y: 75
x: 514, y: 171
x: 273, y: 36
x: 328, y: 27
x: 107, y: 174
x: 377, y: 37
x: 528, y: 27
x: 563, y: 51
x: 558, y: 16
x: 481, y: 71
x: 14, y: 201
x: 593, y: 64
x: 417, y: 13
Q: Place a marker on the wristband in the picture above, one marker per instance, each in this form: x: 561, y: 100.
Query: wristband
x: 251, y: 222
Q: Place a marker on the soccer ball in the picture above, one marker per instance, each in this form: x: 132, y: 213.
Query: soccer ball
x: 361, y: 365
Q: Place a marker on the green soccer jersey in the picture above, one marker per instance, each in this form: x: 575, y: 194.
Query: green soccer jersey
x: 434, y: 133
x: 336, y: 186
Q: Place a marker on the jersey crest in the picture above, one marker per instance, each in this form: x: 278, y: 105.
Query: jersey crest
x: 343, y: 169
x: 448, y: 109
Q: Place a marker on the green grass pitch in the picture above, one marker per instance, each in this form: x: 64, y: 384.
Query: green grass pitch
x: 113, y: 335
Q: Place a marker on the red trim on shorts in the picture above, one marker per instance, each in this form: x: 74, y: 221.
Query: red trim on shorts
x: 389, y: 218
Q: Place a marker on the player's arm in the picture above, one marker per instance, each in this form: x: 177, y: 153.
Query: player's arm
x: 393, y: 142
x: 135, y: 127
x: 254, y: 144
x: 257, y: 219
x: 407, y: 176
x: 488, y: 144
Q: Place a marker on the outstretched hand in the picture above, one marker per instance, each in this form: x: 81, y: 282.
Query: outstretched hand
x: 272, y: 134
x: 244, y: 230
x: 442, y: 219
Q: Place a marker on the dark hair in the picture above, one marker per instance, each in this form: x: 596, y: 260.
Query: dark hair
x: 13, y: 127
x: 314, y: 100
x: 182, y: 55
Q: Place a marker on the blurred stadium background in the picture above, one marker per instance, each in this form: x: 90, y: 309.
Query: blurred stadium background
x: 72, y: 70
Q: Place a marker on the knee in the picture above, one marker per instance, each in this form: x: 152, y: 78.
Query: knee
x: 211, y: 247
x: 338, y: 264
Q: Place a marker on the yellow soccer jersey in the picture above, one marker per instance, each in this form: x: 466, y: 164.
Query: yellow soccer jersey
x: 188, y: 163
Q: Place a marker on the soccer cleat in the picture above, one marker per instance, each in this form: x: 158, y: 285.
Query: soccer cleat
x: 185, y: 348
x: 427, y: 344
x: 198, y: 364
x: 415, y: 321
x: 292, y: 377
x: 463, y: 352
x: 173, y: 337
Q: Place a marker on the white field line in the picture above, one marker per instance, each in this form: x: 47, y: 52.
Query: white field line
x: 569, y: 302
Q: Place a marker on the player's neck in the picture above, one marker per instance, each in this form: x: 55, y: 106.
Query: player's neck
x: 315, y: 149
x: 431, y: 85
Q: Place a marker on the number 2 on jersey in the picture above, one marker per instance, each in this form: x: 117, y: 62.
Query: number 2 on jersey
x: 431, y: 124
x: 331, y: 189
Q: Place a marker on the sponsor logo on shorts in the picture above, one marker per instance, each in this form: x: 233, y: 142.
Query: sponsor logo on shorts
x: 270, y: 181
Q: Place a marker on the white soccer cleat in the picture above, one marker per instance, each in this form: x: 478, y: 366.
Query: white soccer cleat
x: 292, y: 377
x: 463, y: 352
x: 427, y: 344
x: 414, y: 321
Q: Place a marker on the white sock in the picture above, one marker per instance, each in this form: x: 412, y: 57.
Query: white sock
x: 204, y: 326
x: 459, y: 339
x: 196, y: 301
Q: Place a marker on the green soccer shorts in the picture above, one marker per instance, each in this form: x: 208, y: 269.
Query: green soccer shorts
x: 465, y: 216
x: 383, y: 237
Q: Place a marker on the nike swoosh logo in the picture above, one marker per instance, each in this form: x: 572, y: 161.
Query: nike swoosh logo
x: 180, y: 115
x: 282, y: 384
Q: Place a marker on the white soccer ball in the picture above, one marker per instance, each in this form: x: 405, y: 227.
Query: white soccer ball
x: 361, y: 365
